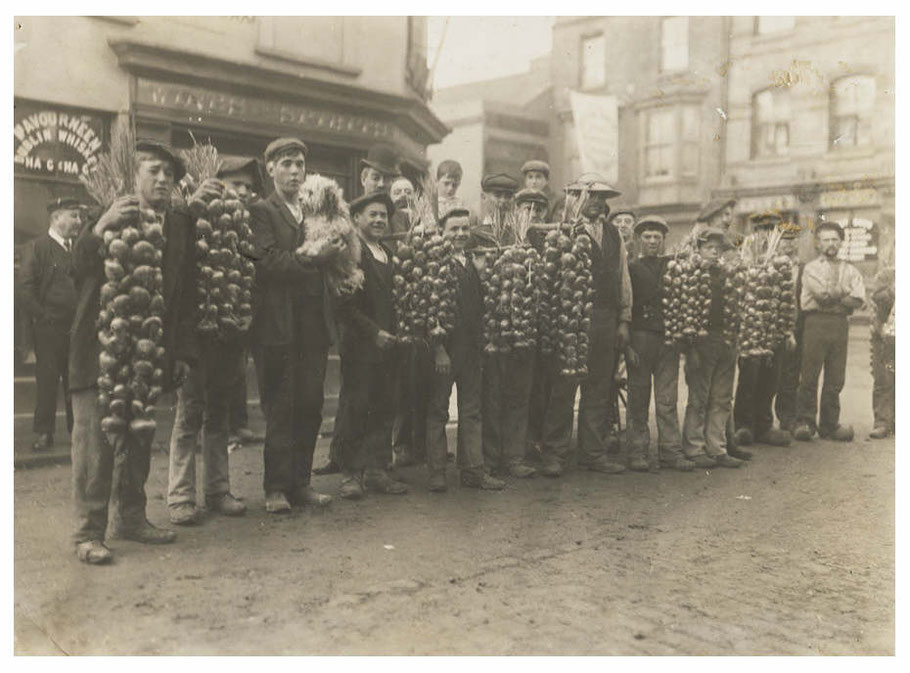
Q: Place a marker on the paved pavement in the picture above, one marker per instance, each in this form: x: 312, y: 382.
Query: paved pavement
x: 792, y: 554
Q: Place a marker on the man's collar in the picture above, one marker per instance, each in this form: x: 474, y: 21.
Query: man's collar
x: 57, y: 237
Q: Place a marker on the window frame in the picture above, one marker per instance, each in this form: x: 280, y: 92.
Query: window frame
x: 778, y: 126
x: 663, y: 67
x: 864, y: 118
x: 677, y: 144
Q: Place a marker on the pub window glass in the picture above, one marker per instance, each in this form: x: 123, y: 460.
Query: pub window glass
x: 852, y: 100
x: 674, y: 43
x: 770, y: 123
x: 593, y: 62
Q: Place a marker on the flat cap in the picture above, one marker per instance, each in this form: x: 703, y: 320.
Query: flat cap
x: 765, y: 220
x: 622, y: 211
x: 709, y: 233
x: 63, y: 203
x: 652, y: 223
x: 499, y: 182
x: 232, y: 164
x: 357, y: 205
x: 531, y: 195
x: 595, y: 184
x: 280, y: 145
x: 536, y: 165
x: 162, y: 150
x: 383, y: 158
x: 456, y: 210
x: 712, y: 208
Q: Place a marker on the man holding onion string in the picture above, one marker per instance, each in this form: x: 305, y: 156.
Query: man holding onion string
x: 157, y: 169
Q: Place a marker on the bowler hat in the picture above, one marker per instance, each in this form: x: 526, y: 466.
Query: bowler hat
x: 281, y: 145
x: 765, y: 220
x: 162, y: 150
x: 712, y: 208
x: 63, y: 203
x: 383, y: 158
x: 361, y: 202
x: 652, y: 223
x: 536, y: 165
x: 499, y: 182
x: 594, y: 184
x: 531, y: 195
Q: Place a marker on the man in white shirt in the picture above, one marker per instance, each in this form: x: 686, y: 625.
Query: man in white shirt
x: 831, y: 290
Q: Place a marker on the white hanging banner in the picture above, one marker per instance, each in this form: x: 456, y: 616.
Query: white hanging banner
x: 597, y: 133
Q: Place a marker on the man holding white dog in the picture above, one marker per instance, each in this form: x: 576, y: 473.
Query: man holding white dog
x: 292, y: 326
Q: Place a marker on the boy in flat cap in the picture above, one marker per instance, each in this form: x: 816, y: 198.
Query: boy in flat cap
x: 649, y: 358
x: 759, y: 377
x: 710, y: 368
x: 498, y: 190
x: 157, y: 169
x: 536, y: 176
x: 831, y: 290
x: 49, y: 298
x: 293, y: 327
x: 367, y: 342
x: 458, y: 362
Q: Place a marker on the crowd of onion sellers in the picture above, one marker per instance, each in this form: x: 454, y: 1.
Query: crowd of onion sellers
x: 542, y: 312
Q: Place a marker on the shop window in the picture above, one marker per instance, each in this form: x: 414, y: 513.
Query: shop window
x: 593, y: 62
x: 674, y: 43
x: 861, y: 234
x: 770, y: 123
x: 852, y: 100
x: 767, y: 25
x: 660, y: 127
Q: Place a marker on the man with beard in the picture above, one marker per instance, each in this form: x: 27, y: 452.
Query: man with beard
x: 831, y: 290
x: 49, y: 297
x: 157, y: 169
x: 292, y: 325
x: 759, y: 377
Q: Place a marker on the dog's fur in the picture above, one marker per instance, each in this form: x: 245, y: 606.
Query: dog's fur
x: 327, y: 218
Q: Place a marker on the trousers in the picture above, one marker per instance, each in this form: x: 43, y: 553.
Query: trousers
x: 710, y: 386
x: 363, y: 426
x: 788, y: 386
x: 93, y: 469
x: 203, y: 404
x: 293, y: 378
x: 824, y: 347
x: 541, y: 385
x: 466, y: 376
x: 52, y: 344
x: 758, y: 383
x: 658, y: 363
x: 882, y: 382
x: 506, y: 399
x: 412, y: 383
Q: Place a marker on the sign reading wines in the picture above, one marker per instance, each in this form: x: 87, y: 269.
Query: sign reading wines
x: 55, y: 141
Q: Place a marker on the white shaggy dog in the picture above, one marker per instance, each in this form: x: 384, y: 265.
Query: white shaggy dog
x: 328, y: 219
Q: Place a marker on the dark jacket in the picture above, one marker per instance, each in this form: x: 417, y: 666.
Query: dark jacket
x: 465, y: 343
x: 647, y: 301
x: 47, y: 290
x: 290, y: 299
x: 179, y: 292
x: 605, y: 271
x: 367, y: 311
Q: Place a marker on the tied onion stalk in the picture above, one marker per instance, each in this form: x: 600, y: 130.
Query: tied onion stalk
x: 569, y: 286
x: 686, y: 290
x: 130, y: 318
x: 514, y: 286
x: 424, y: 283
x: 223, y: 250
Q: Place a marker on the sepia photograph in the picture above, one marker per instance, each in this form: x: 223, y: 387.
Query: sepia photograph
x: 453, y: 335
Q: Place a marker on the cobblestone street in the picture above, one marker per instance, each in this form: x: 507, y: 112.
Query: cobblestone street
x: 792, y: 554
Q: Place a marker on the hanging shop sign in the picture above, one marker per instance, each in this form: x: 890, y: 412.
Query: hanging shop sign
x: 54, y: 141
x: 597, y: 133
